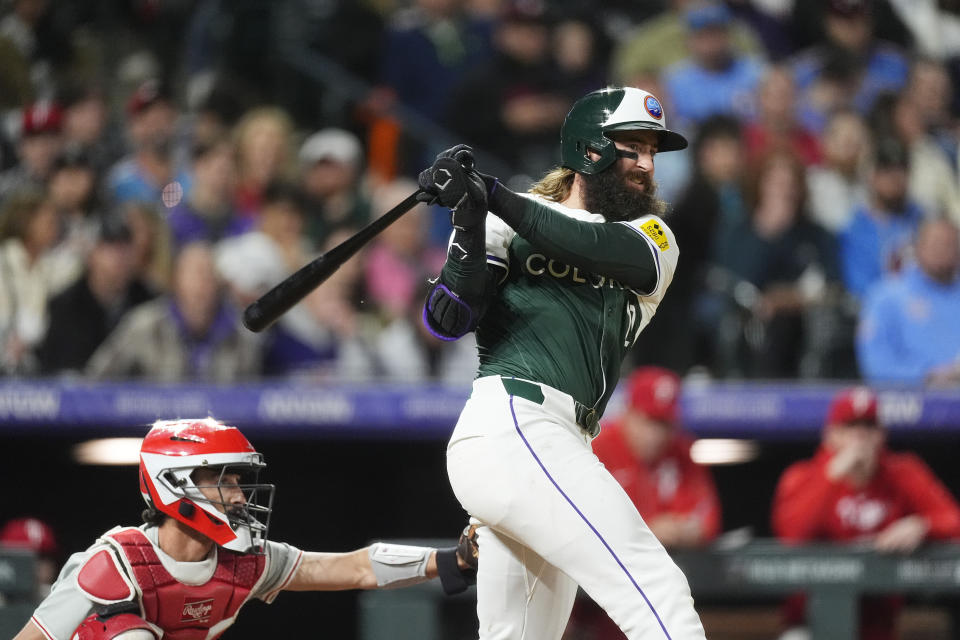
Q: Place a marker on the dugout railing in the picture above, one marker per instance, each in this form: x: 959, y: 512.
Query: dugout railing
x: 834, y: 577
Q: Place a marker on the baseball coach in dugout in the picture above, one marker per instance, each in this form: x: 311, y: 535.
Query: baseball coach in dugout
x: 558, y: 284
x: 203, y: 551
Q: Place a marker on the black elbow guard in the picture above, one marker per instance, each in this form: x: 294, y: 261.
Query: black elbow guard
x: 446, y: 316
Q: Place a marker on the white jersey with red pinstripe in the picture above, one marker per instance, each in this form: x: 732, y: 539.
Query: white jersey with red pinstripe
x: 69, y: 603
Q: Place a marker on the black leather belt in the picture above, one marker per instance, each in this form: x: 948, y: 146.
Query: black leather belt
x: 587, y: 419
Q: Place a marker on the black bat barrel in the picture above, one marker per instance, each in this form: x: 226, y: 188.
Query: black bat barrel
x: 274, y: 303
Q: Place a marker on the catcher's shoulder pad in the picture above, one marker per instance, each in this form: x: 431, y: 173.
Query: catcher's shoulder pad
x: 103, y: 580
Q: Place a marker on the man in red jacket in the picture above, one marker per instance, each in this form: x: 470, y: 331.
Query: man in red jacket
x: 855, y: 490
x: 648, y: 454
x: 650, y: 457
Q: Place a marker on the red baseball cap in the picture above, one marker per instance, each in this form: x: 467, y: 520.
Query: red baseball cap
x: 855, y: 405
x: 41, y: 117
x: 29, y: 533
x: 655, y: 392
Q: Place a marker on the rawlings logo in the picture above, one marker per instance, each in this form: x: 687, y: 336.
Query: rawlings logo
x: 196, y: 611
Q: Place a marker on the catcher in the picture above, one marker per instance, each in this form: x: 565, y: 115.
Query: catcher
x: 202, y: 552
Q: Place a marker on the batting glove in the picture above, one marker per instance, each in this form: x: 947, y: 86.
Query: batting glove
x: 452, y: 182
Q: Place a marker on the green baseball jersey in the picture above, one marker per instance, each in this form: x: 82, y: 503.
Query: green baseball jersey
x: 559, y: 325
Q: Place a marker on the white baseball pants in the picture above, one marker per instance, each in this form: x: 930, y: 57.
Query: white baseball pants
x: 556, y: 518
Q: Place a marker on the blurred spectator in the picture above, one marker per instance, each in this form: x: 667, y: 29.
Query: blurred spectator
x: 85, y: 125
x: 715, y: 79
x: 808, y: 22
x: 83, y: 315
x: 398, y: 260
x: 216, y: 112
x: 37, y: 536
x: 331, y: 165
x: 776, y: 124
x: 405, y: 350
x: 881, y: 229
x: 662, y: 41
x: 72, y: 191
x: 908, y: 330
x: 337, y: 306
x: 580, y: 54
x: 148, y: 174
x: 263, y: 143
x: 839, y: 184
x: 850, y: 69
x: 72, y: 184
x: 280, y: 227
x: 649, y: 455
x: 192, y: 334
x: 29, y: 274
x: 397, y: 267
x: 784, y: 266
x: 512, y: 105
x: 929, y: 91
x: 22, y: 70
x: 40, y: 142
x: 681, y: 333
x: 309, y: 338
x: 429, y: 47
x: 934, y: 25
x: 854, y: 490
x: 207, y: 214
x: 932, y: 182
x: 152, y: 245
x: 769, y: 21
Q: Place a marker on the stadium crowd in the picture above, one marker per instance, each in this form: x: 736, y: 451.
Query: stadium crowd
x: 163, y: 164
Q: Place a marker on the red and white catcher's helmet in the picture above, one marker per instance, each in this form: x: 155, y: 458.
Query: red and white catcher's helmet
x: 174, y: 449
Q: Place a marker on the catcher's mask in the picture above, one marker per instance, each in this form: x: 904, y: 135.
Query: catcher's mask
x: 171, y: 457
x: 605, y: 111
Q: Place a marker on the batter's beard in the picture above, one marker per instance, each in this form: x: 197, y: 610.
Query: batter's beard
x: 608, y: 194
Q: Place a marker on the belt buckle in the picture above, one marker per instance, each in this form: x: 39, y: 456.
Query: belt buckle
x: 588, y: 420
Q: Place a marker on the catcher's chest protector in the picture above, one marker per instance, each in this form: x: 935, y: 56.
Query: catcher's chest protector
x: 183, y: 611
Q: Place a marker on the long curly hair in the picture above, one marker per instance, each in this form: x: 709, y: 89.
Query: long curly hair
x: 555, y: 185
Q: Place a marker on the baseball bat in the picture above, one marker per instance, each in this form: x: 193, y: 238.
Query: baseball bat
x: 274, y: 303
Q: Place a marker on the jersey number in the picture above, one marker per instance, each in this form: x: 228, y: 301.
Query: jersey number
x: 633, y: 318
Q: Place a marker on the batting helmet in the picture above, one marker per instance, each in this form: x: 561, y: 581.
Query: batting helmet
x: 600, y: 112
x: 174, y: 449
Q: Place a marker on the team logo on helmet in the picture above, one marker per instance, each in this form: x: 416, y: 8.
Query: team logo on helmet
x: 652, y: 105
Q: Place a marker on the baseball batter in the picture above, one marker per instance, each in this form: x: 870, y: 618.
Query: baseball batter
x: 203, y: 552
x: 558, y: 284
